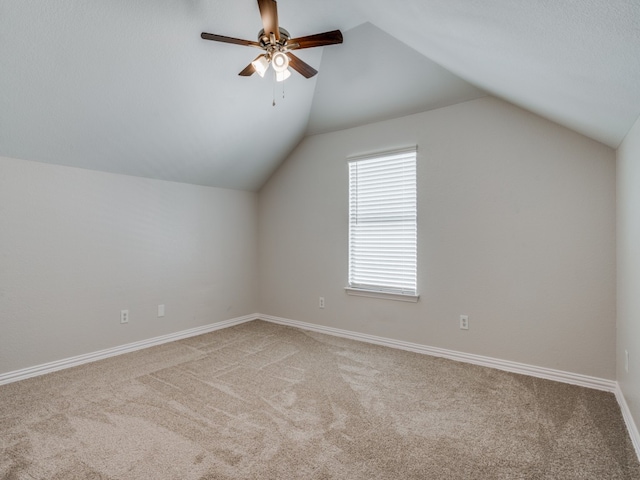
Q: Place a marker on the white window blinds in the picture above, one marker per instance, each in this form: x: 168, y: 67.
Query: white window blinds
x: 383, y: 222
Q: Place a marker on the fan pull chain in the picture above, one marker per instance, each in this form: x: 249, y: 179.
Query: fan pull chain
x: 274, y: 89
x: 275, y: 81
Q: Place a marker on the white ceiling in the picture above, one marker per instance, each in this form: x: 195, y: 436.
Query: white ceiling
x: 361, y: 84
x: 130, y: 87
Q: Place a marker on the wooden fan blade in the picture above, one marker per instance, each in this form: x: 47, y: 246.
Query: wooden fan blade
x: 318, y: 40
x: 235, y: 41
x: 269, y: 14
x: 248, y: 71
x: 300, y: 66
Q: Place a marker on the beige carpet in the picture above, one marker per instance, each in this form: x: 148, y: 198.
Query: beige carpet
x: 264, y: 401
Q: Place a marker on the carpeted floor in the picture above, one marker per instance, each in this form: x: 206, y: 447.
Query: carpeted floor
x: 265, y: 401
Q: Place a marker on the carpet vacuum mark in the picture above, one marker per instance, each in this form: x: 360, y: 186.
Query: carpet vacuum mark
x: 264, y: 401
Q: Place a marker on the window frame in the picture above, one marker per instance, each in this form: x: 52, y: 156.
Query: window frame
x: 381, y: 291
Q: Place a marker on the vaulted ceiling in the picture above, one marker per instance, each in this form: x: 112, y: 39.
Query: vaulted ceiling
x: 130, y: 87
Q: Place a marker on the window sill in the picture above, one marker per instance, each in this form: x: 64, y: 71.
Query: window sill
x: 400, y: 297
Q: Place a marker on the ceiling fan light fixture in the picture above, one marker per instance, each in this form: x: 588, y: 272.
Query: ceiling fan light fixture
x: 280, y: 62
x: 260, y: 65
x: 282, y: 76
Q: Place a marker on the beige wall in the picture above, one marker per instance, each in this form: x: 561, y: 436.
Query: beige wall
x: 628, y: 328
x: 516, y: 230
x: 77, y: 246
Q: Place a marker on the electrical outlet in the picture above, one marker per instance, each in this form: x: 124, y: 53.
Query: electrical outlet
x: 160, y: 310
x: 464, y: 322
x: 124, y: 316
x: 626, y: 361
x: 321, y: 302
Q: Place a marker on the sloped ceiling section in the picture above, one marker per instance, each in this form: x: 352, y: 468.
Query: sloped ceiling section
x: 373, y: 77
x: 573, y: 62
x: 129, y: 87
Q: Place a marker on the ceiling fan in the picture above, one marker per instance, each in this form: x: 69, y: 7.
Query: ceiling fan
x: 277, y: 44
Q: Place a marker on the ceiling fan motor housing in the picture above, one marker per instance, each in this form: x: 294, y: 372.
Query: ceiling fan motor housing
x: 266, y: 43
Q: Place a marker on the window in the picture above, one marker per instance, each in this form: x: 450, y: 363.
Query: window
x: 383, y: 225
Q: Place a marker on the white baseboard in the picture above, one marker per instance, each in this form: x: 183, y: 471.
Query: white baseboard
x: 25, y: 373
x: 541, y: 372
x: 628, y: 420
x: 514, y: 367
